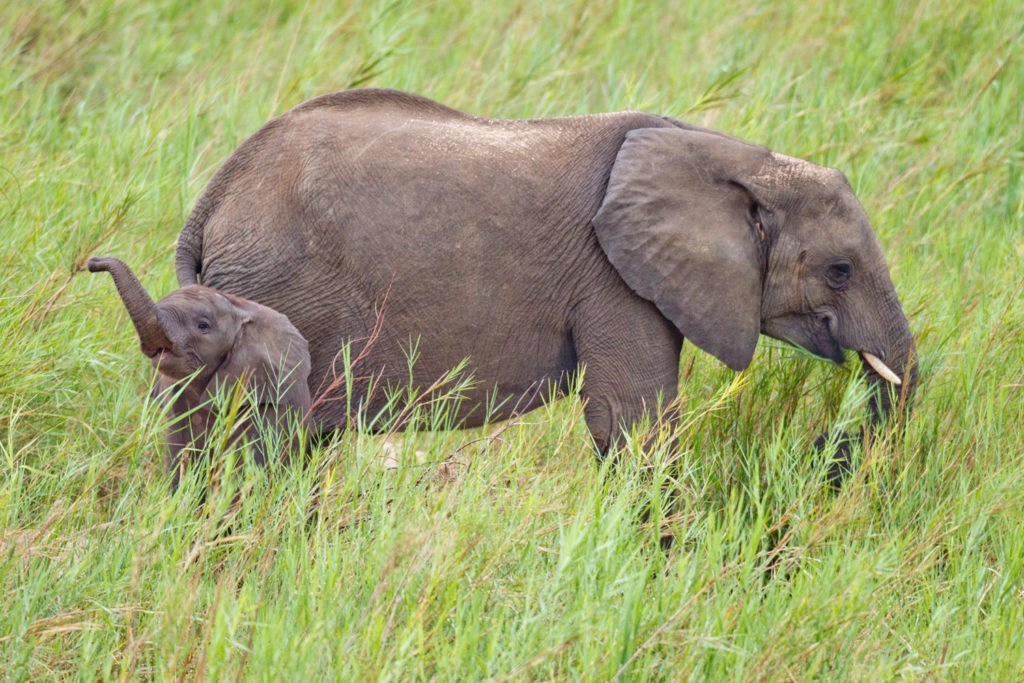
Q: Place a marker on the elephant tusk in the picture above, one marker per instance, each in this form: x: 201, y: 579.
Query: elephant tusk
x: 881, y: 368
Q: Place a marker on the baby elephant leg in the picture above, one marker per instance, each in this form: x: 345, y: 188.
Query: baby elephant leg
x: 275, y: 431
x: 186, y: 439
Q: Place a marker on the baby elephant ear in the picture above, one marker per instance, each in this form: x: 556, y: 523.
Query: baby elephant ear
x: 271, y: 355
x: 676, y: 224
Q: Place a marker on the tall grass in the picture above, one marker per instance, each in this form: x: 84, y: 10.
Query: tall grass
x: 509, y: 553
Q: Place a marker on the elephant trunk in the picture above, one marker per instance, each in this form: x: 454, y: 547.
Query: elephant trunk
x: 890, y: 369
x: 141, y: 308
x: 887, y: 396
x: 892, y: 377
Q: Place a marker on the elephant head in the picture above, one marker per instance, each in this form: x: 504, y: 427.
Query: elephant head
x: 730, y: 240
x: 219, y: 337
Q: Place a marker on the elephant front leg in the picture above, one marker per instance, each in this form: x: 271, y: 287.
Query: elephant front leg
x: 630, y: 372
x: 186, y: 438
x: 275, y: 433
x: 611, y: 413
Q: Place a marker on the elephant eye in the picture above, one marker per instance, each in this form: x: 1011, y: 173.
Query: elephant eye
x: 839, y: 273
x: 203, y: 326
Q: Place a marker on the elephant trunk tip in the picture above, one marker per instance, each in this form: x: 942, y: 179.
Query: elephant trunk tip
x: 98, y: 264
x: 143, y: 312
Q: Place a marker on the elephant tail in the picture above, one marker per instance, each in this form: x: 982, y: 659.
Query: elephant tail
x: 188, y: 255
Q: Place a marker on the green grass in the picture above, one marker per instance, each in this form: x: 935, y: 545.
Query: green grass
x: 520, y: 558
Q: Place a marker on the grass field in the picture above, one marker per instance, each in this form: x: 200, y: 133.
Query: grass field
x: 508, y: 553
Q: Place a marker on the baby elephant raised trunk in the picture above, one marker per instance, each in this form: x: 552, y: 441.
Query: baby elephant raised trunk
x: 141, y: 308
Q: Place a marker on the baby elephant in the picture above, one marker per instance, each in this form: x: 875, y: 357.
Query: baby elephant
x: 225, y: 341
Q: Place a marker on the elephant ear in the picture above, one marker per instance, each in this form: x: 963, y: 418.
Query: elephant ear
x: 676, y: 223
x: 269, y: 356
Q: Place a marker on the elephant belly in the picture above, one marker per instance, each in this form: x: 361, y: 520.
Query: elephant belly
x: 406, y: 368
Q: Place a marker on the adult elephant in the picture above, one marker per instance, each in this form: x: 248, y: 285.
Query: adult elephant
x: 535, y: 247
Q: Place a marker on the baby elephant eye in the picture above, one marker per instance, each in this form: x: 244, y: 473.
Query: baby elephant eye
x: 203, y: 327
x: 839, y: 273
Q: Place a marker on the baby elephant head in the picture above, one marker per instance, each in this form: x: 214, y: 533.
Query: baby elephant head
x: 220, y: 339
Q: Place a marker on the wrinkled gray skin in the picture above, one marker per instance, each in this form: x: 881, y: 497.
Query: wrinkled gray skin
x: 535, y: 247
x: 226, y: 339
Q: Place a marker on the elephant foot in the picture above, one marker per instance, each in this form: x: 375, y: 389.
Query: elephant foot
x: 839, y: 450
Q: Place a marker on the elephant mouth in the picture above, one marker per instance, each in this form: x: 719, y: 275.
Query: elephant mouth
x: 161, y: 359
x: 822, y: 343
x: 829, y: 349
x: 813, y: 333
x: 824, y: 338
x: 176, y: 366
